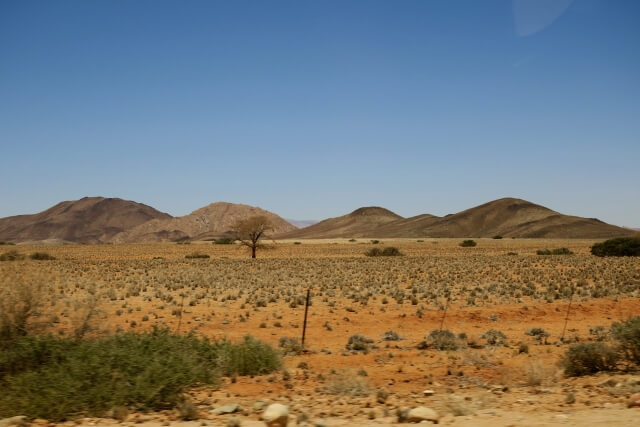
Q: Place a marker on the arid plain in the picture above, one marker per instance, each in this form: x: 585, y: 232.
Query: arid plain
x: 506, y: 378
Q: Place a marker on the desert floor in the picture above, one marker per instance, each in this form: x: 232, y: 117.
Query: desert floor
x: 497, y: 285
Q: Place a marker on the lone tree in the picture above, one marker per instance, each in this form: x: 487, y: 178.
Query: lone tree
x: 249, y: 231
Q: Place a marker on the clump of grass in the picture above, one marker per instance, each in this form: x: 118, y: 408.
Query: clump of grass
x: 290, y: 346
x: 468, y: 243
x: 347, y: 383
x: 46, y: 377
x: 388, y: 251
x: 196, y: 255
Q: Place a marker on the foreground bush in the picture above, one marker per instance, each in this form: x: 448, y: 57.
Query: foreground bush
x: 55, y: 378
x: 589, y: 358
x: 388, y: 251
x: 623, y: 246
x: 627, y: 334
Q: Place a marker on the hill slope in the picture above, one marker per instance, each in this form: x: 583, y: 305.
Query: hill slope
x: 88, y: 220
x: 355, y: 224
x: 212, y: 221
x: 508, y: 217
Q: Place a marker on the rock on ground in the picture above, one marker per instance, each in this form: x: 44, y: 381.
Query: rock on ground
x: 276, y: 415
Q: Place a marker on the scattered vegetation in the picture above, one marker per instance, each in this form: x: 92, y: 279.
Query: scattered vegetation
x: 622, y: 246
x: 468, y: 243
x: 627, y: 334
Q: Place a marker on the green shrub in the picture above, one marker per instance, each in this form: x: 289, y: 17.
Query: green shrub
x: 56, y: 378
x: 41, y: 256
x: 375, y: 242
x: 497, y: 237
x: 12, y: 256
x: 388, y: 251
x: 622, y: 246
x: 557, y: 251
x: 468, y: 243
x: 589, y: 358
x: 224, y: 241
x: 627, y: 334
x: 196, y: 255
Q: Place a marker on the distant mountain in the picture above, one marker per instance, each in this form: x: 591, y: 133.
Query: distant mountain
x: 508, y: 217
x: 209, y: 222
x: 357, y: 223
x: 301, y: 223
x: 88, y: 220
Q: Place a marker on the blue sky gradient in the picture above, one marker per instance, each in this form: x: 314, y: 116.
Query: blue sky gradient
x: 314, y: 108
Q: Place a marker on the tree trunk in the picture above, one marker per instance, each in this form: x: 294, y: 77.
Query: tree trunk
x: 253, y: 251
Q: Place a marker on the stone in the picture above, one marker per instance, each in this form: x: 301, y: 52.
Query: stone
x: 226, y: 409
x: 421, y: 413
x: 634, y: 401
x: 428, y: 392
x: 276, y: 415
x: 19, y: 420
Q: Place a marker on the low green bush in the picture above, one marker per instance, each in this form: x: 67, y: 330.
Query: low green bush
x: 224, y: 241
x: 56, y: 378
x: 196, y: 255
x: 557, y: 251
x: 41, y: 256
x: 388, y: 251
x: 622, y: 246
x: 468, y: 243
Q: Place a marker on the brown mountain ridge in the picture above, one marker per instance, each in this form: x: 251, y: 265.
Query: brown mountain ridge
x: 507, y: 217
x: 102, y: 220
x: 88, y: 220
x: 212, y: 221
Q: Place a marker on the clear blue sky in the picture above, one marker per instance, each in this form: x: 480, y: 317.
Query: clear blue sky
x: 314, y: 108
